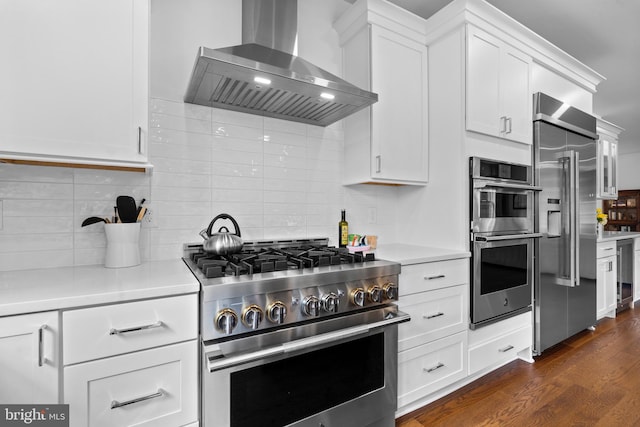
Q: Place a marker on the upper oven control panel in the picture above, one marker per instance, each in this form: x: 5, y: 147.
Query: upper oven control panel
x: 495, y: 170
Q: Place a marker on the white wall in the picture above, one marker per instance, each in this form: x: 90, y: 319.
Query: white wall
x: 629, y: 171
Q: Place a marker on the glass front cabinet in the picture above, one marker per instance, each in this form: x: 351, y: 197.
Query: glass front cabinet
x: 607, y: 160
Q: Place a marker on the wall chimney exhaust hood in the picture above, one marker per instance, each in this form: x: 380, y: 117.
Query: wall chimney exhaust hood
x: 262, y: 76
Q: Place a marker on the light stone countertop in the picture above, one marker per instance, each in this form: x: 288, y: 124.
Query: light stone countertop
x: 415, y: 254
x: 608, y: 236
x: 28, y: 291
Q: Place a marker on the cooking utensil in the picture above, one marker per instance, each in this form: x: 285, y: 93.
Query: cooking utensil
x: 140, y: 209
x: 223, y: 242
x: 92, y: 220
x: 127, y: 210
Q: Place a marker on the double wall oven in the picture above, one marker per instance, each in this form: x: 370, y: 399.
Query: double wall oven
x: 297, y: 333
x: 502, y: 239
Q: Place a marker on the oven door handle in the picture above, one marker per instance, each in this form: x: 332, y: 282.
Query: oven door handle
x: 481, y: 184
x: 219, y: 363
x: 508, y: 237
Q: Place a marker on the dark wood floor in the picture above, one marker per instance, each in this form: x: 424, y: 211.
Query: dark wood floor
x: 591, y: 379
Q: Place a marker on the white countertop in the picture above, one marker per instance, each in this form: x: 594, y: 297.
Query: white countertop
x: 414, y: 254
x: 27, y: 291
x: 608, y: 236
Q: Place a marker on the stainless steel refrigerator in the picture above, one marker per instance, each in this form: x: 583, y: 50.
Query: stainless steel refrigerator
x: 564, y: 157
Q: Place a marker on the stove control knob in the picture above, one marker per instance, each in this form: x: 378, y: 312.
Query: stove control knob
x: 357, y: 297
x: 331, y: 302
x: 277, y: 312
x: 375, y: 294
x: 226, y: 320
x: 252, y: 316
x: 390, y: 290
x: 311, y: 306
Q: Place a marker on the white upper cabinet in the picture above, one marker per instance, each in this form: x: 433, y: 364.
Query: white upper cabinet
x: 383, y: 52
x: 498, y: 96
x: 607, y: 174
x: 75, y: 82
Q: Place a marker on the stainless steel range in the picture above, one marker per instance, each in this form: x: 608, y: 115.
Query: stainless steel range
x: 297, y: 333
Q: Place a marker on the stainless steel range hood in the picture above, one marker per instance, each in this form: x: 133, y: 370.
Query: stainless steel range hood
x: 262, y: 76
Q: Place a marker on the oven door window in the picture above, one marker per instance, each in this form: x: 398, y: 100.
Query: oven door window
x: 503, y: 267
x: 499, y: 204
x: 291, y: 389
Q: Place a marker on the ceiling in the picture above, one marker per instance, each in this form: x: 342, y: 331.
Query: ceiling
x: 602, y: 34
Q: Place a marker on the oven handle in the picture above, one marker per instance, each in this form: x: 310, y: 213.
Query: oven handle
x: 508, y: 237
x: 481, y: 184
x: 216, y: 364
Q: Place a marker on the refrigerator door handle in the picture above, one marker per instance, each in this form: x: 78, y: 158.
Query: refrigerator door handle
x: 570, y: 160
x: 575, y: 218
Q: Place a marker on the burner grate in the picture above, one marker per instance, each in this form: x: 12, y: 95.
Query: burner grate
x: 260, y: 259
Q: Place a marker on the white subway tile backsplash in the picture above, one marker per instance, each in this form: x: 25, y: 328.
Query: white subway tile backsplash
x: 181, y: 109
x: 180, y: 194
x: 37, y: 208
x: 284, y: 126
x: 181, y: 166
x: 278, y: 179
x: 189, y: 180
x: 185, y: 124
x: 223, y: 195
x: 238, y: 157
x: 285, y: 196
x: 170, y: 137
x: 34, y: 226
x: 26, y: 173
x: 221, y: 170
x: 233, y: 117
x: 35, y: 190
x: 227, y: 130
x: 33, y: 241
x: 19, y: 260
x: 237, y: 144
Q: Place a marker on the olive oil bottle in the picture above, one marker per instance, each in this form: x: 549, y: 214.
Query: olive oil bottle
x: 343, y: 231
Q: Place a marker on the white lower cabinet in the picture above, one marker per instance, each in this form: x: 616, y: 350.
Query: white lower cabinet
x: 133, y: 363
x: 432, y: 347
x: 157, y: 387
x: 606, y: 287
x: 29, y: 358
x: 434, y: 315
x: 427, y: 368
x: 499, y: 343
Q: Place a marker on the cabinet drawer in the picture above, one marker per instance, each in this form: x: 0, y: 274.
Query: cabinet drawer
x: 500, y: 349
x: 97, y: 332
x: 604, y: 249
x: 157, y: 387
x: 427, y: 368
x: 433, y: 275
x: 434, y: 315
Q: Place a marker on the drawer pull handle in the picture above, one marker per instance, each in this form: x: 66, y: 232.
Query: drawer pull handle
x: 608, y: 249
x: 438, y: 366
x: 433, y: 315
x: 439, y: 276
x: 41, y: 359
x: 507, y: 348
x: 115, y: 404
x: 114, y: 331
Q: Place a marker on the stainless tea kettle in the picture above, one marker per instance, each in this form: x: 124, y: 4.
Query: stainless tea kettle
x: 223, y: 242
